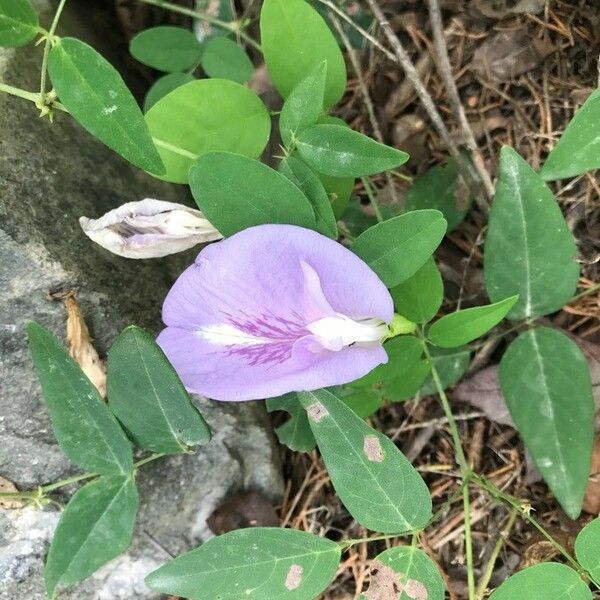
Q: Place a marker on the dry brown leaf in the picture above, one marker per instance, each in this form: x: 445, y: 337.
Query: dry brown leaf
x: 507, y: 54
x: 80, y: 344
x: 8, y: 486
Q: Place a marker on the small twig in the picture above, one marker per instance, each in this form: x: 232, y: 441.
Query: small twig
x: 445, y: 69
x: 489, y: 569
x: 403, y: 59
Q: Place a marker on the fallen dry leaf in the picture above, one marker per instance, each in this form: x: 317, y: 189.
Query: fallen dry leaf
x: 486, y: 8
x: 8, y: 486
x: 80, y: 343
x: 507, y: 54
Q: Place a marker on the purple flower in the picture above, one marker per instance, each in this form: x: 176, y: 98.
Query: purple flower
x: 274, y: 309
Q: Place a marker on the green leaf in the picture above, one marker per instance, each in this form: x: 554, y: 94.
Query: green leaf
x: 419, y: 298
x: 85, y: 429
x: 236, y: 192
x: 396, y: 249
x: 578, y: 149
x: 341, y: 152
x: 301, y: 176
x: 223, y: 58
x: 407, y: 386
x: 18, y: 22
x: 255, y: 563
x: 339, y: 188
x: 295, y: 433
x: 587, y: 548
x: 209, y: 115
x: 439, y: 188
x: 97, y: 97
x: 529, y: 249
x: 304, y: 105
x: 374, y: 480
x: 545, y: 581
x: 547, y: 387
x: 295, y: 40
x: 414, y: 574
x: 96, y: 526
x: 451, y: 364
x: 166, y: 48
x: 146, y: 395
x: 403, y: 353
x: 363, y: 402
x: 165, y: 85
x: 464, y: 326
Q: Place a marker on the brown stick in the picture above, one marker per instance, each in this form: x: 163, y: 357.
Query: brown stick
x: 445, y: 70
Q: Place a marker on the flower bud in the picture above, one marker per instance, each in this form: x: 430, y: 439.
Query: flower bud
x: 149, y: 229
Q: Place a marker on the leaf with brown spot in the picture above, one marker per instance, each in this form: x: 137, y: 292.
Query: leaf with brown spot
x: 404, y: 573
x: 294, y: 577
x: 374, y: 480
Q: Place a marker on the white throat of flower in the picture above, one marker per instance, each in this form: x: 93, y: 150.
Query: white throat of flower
x: 339, y: 331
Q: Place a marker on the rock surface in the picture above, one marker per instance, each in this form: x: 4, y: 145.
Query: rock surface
x: 49, y: 176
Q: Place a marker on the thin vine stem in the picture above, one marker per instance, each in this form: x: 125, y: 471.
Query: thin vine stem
x: 47, y: 46
x: 465, y: 469
x: 372, y: 199
x: 25, y: 95
x: 41, y: 492
x: 234, y: 26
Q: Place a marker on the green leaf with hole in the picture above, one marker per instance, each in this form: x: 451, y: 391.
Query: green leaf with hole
x: 85, y: 429
x: 147, y: 396
x: 419, y: 297
x: 18, y: 22
x: 223, y: 58
x: 165, y: 85
x: 451, y: 364
x: 255, y: 563
x: 578, y: 149
x: 166, y: 48
x: 397, y: 248
x: 303, y: 177
x: 529, y: 249
x: 295, y: 433
x: 408, y: 571
x: 544, y: 581
x: 97, y: 97
x: 403, y: 354
x: 96, y: 526
x: 295, y: 40
x: 304, y: 106
x: 341, y: 152
x: 547, y: 387
x: 374, y: 480
x: 464, y: 326
x: 236, y: 192
x: 439, y: 188
x: 587, y: 548
x: 208, y: 115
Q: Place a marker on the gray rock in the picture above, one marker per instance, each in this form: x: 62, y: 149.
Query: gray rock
x: 49, y: 176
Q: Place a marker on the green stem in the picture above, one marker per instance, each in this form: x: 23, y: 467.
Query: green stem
x: 372, y: 199
x: 47, y: 47
x: 43, y: 490
x: 31, y: 96
x: 465, y: 470
x: 514, y: 503
x: 234, y: 26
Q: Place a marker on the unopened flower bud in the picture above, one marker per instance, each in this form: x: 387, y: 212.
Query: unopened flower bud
x: 149, y: 229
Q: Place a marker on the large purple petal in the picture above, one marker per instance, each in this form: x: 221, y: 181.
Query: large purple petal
x: 237, y: 319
